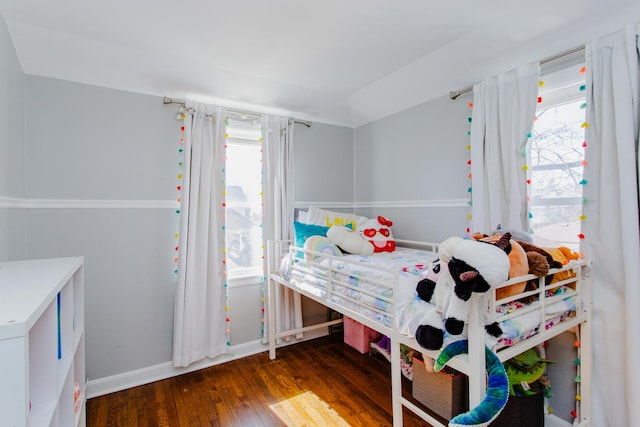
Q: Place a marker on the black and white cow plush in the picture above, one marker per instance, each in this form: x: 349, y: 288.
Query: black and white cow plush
x: 467, y: 266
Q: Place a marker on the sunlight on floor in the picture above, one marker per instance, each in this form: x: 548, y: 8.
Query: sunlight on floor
x: 307, y: 409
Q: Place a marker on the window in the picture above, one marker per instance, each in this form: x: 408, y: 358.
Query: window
x: 556, y: 154
x: 243, y: 213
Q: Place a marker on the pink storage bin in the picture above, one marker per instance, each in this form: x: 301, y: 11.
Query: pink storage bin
x: 358, y: 336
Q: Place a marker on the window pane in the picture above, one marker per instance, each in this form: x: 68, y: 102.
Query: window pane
x: 243, y: 173
x: 556, y: 154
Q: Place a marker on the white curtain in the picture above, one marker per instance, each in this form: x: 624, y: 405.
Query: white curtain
x: 279, y: 208
x: 200, y: 314
x: 611, y: 226
x: 502, y: 117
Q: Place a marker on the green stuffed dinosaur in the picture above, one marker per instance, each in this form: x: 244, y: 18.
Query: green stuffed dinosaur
x: 522, y: 369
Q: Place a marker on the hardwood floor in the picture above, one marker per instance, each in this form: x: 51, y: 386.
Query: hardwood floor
x: 322, y: 382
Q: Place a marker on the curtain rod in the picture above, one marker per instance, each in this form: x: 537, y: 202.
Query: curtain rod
x: 456, y: 93
x: 166, y: 101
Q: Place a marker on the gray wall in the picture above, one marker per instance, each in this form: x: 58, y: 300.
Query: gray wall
x: 323, y: 164
x: 86, y: 143
x: 12, y: 222
x: 129, y: 281
x: 411, y: 167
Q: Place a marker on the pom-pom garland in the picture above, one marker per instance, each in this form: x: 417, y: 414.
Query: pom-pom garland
x: 469, y: 190
x: 584, y: 163
x: 180, y: 116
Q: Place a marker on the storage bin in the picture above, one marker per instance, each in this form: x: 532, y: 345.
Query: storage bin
x: 358, y: 335
x: 523, y: 411
x: 334, y: 315
x: 443, y: 393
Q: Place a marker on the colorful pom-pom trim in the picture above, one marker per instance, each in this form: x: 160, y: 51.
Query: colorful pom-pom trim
x: 470, y: 189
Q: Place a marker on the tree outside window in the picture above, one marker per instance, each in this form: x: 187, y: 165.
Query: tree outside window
x: 556, y: 155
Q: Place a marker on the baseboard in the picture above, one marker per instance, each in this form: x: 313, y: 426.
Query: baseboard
x: 553, y: 421
x: 161, y: 371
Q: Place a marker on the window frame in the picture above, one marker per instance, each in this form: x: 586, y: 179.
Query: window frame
x: 243, y: 130
x: 562, y: 87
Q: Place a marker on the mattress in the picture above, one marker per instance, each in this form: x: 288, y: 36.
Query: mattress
x: 382, y: 287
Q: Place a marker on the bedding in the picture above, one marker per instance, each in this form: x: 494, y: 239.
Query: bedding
x: 365, y: 284
x: 523, y: 327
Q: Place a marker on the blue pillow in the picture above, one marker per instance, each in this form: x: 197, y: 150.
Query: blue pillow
x: 304, y: 231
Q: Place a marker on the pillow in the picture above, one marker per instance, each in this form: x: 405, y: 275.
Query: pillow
x: 300, y: 215
x: 349, y: 241
x: 329, y: 218
x: 304, y: 231
x: 378, y: 232
x: 320, y: 244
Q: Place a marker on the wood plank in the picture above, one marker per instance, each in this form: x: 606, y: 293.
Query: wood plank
x: 315, y: 383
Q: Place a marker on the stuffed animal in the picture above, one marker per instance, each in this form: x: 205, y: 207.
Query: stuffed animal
x: 349, y: 241
x: 564, y: 256
x: 532, y: 249
x: 378, y: 232
x: 436, y: 287
x: 518, y: 264
x: 431, y: 273
x: 471, y: 266
x: 497, y: 393
x: 524, y: 258
x: 523, y: 370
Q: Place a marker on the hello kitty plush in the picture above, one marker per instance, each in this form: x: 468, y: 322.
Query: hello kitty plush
x: 377, y: 231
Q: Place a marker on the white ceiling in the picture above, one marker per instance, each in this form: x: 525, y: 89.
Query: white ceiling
x: 344, y: 62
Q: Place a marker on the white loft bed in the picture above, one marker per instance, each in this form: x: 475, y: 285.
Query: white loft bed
x: 324, y: 280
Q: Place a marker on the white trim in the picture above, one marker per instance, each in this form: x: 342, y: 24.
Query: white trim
x: 447, y: 203
x: 553, y: 421
x: 14, y: 202
x: 22, y: 203
x: 162, y: 371
x: 11, y: 202
x: 335, y: 205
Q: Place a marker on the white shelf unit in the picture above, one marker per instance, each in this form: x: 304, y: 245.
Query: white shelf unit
x: 42, y: 343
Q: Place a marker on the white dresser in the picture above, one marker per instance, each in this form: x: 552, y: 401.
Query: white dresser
x: 42, y: 361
